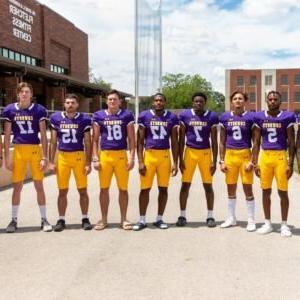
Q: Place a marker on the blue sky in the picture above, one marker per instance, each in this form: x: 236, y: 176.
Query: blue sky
x: 199, y: 36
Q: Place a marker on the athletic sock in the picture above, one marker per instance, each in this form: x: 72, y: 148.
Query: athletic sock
x: 268, y: 222
x: 158, y: 218
x: 284, y: 223
x: 61, y: 217
x: 209, y: 214
x: 182, y: 213
x: 143, y: 219
x: 43, y: 211
x: 14, y: 212
x: 250, y: 209
x: 231, y: 207
x: 84, y: 216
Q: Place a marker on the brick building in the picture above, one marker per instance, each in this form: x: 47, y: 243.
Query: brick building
x: 39, y: 46
x: 257, y: 83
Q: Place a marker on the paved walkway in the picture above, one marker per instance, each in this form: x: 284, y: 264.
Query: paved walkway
x: 180, y: 263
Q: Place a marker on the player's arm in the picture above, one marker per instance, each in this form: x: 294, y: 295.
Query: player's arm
x: 214, y: 147
x: 131, y: 143
x: 1, y: 151
x: 52, y: 150
x: 140, y: 149
x: 7, y: 133
x: 256, y: 137
x: 95, y: 146
x: 87, y: 141
x: 222, y: 149
x: 291, y: 150
x: 175, y: 149
x: 44, y: 143
x: 298, y: 148
x: 181, y: 146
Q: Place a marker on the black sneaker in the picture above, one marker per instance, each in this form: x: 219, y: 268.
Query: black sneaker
x: 12, y: 226
x: 60, y: 225
x: 139, y: 226
x: 161, y: 224
x: 85, y: 224
x: 210, y: 222
x: 181, y: 221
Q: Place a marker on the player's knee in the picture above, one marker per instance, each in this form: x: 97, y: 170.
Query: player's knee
x: 208, y: 188
x: 63, y: 192
x: 185, y: 187
x: 163, y: 190
x: 18, y: 186
x: 83, y: 192
x: 39, y: 185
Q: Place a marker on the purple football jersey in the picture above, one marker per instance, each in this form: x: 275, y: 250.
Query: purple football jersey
x: 198, y: 128
x: 273, y: 129
x: 238, y: 129
x: 158, y: 129
x: 70, y: 132
x: 25, y: 122
x: 113, y: 128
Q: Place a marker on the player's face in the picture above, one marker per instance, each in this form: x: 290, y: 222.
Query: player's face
x: 238, y: 101
x: 113, y: 102
x: 71, y: 105
x: 158, y: 103
x: 199, y: 103
x: 25, y: 95
x: 273, y: 102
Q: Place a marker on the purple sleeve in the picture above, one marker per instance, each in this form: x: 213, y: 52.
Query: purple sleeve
x: 130, y: 118
x: 53, y: 122
x: 141, y: 119
x: 181, y: 118
x: 291, y: 120
x: 256, y: 120
x: 214, y: 119
x: 175, y: 120
x: 95, y: 119
x: 87, y: 124
x: 7, y: 115
x: 222, y: 120
x: 42, y: 114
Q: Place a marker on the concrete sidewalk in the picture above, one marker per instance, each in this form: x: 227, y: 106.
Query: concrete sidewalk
x: 179, y: 263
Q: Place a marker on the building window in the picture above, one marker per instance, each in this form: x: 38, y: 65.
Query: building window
x: 13, y: 55
x: 268, y: 80
x: 33, y: 61
x: 297, y: 79
x: 240, y: 81
x: 58, y: 69
x: 252, y: 80
x: 28, y: 60
x: 23, y: 58
x: 297, y: 97
x: 252, y: 97
x: 5, y: 52
x: 284, y: 80
x: 17, y: 56
x: 284, y: 97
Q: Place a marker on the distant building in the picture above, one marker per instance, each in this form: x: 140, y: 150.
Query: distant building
x: 257, y: 83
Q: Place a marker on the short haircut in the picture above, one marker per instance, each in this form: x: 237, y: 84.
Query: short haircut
x: 111, y: 92
x: 159, y: 94
x: 199, y: 94
x: 22, y: 85
x: 274, y: 92
x: 239, y: 92
x: 72, y: 96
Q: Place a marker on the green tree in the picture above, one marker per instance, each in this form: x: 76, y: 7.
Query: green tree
x: 179, y: 89
x: 99, y: 81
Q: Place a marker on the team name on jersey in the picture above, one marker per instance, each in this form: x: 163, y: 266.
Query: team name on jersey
x: 198, y: 123
x: 23, y: 118
x: 112, y: 122
x: 158, y: 123
x: 271, y: 125
x: 68, y: 126
x: 236, y: 123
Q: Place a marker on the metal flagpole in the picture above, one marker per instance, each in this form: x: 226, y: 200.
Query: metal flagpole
x: 136, y: 67
x: 160, y: 47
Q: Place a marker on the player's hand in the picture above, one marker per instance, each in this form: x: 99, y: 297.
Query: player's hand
x: 249, y: 167
x: 174, y: 170
x: 182, y: 166
x: 257, y: 171
x: 96, y: 165
x: 9, y: 165
x: 87, y: 169
x: 289, y: 172
x: 52, y: 167
x: 142, y: 169
x: 130, y: 164
x: 223, y: 168
x: 43, y: 164
x: 213, y: 168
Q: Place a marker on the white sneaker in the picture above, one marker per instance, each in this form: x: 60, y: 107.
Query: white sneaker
x: 285, y: 231
x: 251, y: 226
x: 265, y: 229
x: 45, y: 226
x: 230, y: 221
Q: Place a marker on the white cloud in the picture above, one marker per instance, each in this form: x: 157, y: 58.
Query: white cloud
x: 198, y: 37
